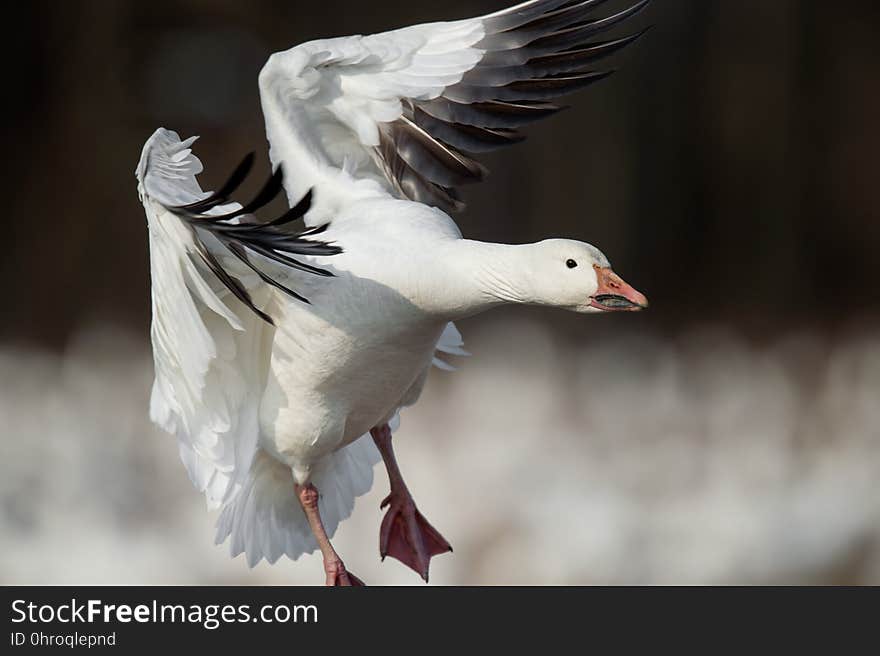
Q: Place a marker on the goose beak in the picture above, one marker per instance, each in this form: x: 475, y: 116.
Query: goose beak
x: 615, y: 295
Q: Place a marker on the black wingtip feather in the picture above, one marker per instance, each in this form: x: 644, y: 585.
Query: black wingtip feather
x: 221, y: 195
x: 230, y: 282
x: 265, y: 196
x: 266, y: 239
x: 238, y: 251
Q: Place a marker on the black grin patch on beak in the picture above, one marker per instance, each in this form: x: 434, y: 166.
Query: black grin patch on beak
x: 615, y: 302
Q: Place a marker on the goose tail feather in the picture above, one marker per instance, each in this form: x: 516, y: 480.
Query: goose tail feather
x: 265, y: 520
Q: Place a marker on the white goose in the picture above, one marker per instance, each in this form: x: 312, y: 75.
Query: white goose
x: 277, y: 352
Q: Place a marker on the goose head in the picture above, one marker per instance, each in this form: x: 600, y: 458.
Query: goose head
x: 577, y: 276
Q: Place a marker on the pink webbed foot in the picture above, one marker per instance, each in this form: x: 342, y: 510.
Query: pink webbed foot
x: 407, y: 536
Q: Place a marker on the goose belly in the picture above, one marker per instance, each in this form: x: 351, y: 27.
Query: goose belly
x: 329, y: 385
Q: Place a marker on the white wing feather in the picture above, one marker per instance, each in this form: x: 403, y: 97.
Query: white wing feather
x: 210, y: 352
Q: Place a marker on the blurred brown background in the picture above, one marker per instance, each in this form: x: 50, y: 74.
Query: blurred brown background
x: 728, y: 170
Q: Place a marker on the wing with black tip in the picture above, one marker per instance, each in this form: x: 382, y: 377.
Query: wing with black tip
x: 411, y: 109
x: 214, y: 269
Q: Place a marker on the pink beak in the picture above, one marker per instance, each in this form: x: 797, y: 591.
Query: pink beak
x: 615, y: 295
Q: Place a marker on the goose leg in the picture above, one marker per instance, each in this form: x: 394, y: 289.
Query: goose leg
x: 405, y: 534
x: 337, y: 575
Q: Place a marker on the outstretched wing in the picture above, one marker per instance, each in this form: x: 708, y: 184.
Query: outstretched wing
x: 212, y: 267
x: 407, y: 110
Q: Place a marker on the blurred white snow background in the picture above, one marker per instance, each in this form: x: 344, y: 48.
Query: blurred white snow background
x: 703, y: 458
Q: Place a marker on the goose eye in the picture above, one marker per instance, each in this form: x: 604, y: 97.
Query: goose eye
x: 571, y: 264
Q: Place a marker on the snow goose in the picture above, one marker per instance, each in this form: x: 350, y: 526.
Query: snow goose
x: 281, y: 347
